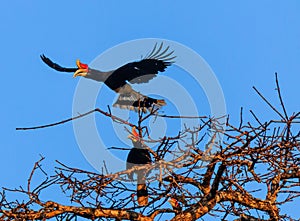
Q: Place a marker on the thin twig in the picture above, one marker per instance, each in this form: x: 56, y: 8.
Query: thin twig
x: 241, y: 118
x: 186, y: 117
x: 108, y: 114
x: 268, y: 103
x: 280, y: 97
x: 36, y: 165
x: 114, y: 118
x: 256, y: 118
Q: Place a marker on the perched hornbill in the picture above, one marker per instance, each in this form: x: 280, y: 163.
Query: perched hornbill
x: 138, y: 156
x: 134, y: 72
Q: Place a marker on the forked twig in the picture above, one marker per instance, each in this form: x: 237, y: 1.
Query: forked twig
x: 280, y: 97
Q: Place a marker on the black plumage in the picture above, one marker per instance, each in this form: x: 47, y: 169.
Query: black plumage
x: 134, y: 72
x: 147, y: 102
x: 137, y: 157
x: 55, y: 66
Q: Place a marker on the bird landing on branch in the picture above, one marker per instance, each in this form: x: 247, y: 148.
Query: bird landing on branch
x: 134, y: 73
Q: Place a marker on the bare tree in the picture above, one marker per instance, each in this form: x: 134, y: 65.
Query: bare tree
x: 247, y: 175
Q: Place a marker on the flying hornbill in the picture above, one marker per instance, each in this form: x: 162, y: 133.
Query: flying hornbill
x: 139, y: 156
x: 134, y: 72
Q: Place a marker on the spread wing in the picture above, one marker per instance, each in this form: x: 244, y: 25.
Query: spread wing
x: 146, y: 69
x: 55, y: 66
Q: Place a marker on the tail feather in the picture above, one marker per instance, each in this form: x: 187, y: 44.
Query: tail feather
x: 142, y: 192
x: 135, y: 101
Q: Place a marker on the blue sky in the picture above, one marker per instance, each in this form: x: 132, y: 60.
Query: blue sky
x: 244, y: 42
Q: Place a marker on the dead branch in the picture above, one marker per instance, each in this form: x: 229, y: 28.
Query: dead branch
x: 192, y: 175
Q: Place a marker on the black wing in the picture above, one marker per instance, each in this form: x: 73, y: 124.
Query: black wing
x: 55, y: 66
x: 146, y: 69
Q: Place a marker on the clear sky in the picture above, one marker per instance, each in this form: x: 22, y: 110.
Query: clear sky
x: 244, y: 42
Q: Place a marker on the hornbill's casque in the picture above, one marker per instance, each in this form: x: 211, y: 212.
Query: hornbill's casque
x: 138, y: 156
x: 134, y: 72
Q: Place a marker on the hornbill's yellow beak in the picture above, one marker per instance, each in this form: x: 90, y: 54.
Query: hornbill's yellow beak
x: 82, y: 69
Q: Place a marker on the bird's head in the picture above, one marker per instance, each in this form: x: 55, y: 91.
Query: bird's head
x: 134, y: 136
x: 82, y: 69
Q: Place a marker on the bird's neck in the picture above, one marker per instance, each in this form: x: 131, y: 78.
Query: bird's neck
x: 98, y: 75
x: 139, y: 145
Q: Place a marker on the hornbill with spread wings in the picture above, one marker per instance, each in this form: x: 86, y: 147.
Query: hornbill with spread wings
x: 134, y: 72
x: 139, y: 156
